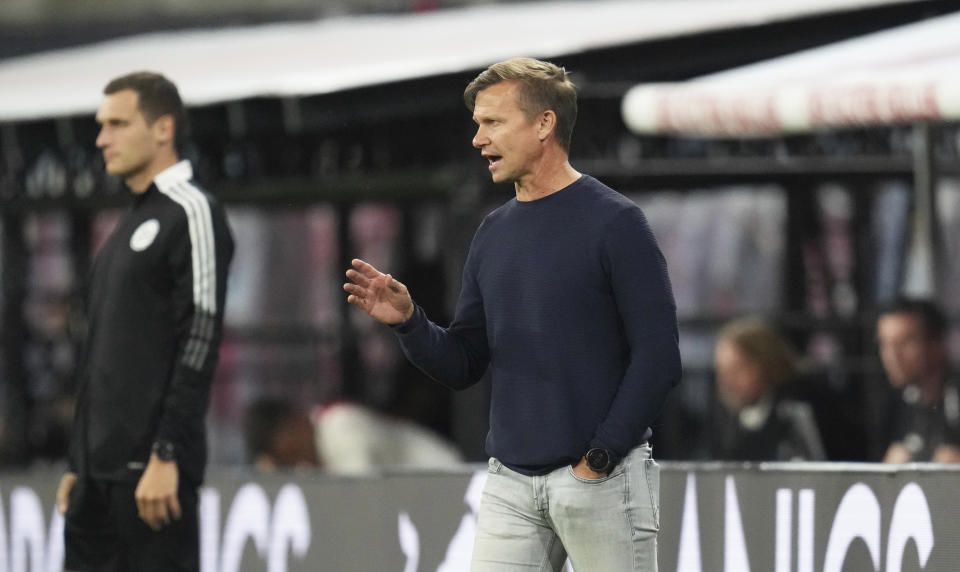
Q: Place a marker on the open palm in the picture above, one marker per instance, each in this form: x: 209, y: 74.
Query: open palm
x: 378, y: 294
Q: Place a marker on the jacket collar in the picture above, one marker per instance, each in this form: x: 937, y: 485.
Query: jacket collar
x: 174, y: 175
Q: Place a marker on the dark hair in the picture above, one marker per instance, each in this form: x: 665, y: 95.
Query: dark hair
x: 543, y: 86
x: 931, y: 317
x: 262, y: 420
x: 158, y: 96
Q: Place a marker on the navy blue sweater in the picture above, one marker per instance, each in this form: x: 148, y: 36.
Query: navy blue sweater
x: 568, y: 301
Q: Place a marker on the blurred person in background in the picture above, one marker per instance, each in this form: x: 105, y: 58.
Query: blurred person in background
x: 758, y: 419
x: 925, y: 422
x: 155, y: 321
x: 565, y: 297
x: 342, y: 438
x: 278, y: 434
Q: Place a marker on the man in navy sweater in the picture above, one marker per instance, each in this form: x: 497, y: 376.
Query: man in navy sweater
x: 566, y: 299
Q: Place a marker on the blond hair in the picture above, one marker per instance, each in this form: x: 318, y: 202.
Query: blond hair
x: 543, y: 86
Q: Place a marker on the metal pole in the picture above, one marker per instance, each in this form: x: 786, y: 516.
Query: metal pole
x: 352, y: 383
x: 921, y: 269
x: 14, y: 449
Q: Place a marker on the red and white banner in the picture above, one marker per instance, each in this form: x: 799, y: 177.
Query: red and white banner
x: 904, y: 75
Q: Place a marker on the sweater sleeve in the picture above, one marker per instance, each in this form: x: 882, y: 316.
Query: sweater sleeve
x: 641, y: 288
x: 199, y: 262
x: 456, y: 356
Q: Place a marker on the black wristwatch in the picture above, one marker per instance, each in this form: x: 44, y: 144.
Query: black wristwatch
x: 601, y: 460
x: 163, y: 450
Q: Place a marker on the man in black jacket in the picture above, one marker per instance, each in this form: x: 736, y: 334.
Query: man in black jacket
x: 155, y: 310
x: 924, y: 421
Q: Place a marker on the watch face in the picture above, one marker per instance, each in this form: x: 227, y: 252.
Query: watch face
x: 163, y: 450
x: 598, y: 460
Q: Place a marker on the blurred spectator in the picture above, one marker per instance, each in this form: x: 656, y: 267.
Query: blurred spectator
x: 757, y: 419
x: 278, y: 434
x: 342, y: 438
x: 925, y: 418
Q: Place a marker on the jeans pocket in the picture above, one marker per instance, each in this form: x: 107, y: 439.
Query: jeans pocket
x: 617, y: 471
x: 651, y: 472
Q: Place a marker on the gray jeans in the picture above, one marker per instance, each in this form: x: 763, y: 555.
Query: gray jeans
x: 603, y: 525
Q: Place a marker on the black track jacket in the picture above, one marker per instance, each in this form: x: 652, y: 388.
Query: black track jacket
x: 155, y: 310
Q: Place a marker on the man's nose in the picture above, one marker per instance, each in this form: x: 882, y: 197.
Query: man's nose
x: 480, y: 139
x: 101, y: 139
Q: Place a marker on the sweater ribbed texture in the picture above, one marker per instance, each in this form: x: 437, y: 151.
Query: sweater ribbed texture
x: 567, y: 301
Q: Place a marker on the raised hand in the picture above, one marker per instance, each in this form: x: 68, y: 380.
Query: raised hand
x: 378, y: 294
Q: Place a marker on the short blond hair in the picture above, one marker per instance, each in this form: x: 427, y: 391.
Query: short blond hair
x: 543, y: 86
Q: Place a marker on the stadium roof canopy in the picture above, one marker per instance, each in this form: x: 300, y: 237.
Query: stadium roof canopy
x: 326, y: 56
x: 906, y: 74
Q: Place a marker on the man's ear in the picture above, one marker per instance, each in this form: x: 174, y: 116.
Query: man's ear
x: 164, y: 129
x: 547, y: 124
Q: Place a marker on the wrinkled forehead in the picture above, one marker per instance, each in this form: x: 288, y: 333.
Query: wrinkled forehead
x: 499, y: 97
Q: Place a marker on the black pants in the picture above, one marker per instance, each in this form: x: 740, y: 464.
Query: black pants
x: 104, y: 533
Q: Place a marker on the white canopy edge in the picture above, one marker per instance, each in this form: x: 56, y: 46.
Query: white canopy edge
x: 908, y: 74
x: 299, y: 59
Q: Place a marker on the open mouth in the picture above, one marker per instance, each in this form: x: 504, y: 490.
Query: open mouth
x: 494, y: 160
